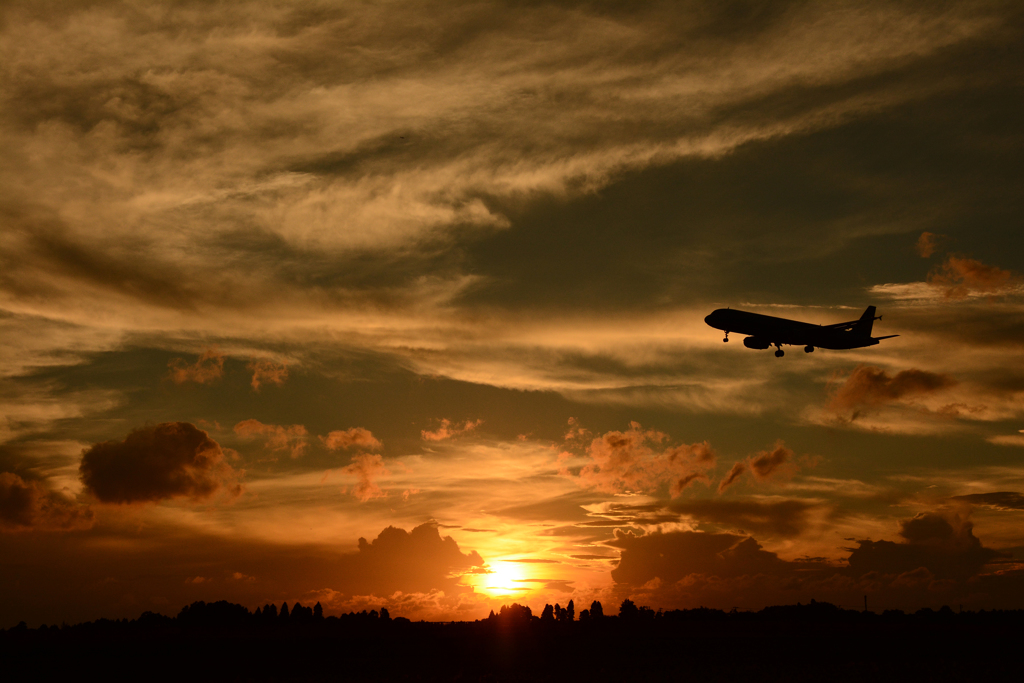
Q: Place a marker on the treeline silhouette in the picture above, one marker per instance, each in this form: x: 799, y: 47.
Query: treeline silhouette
x: 798, y: 642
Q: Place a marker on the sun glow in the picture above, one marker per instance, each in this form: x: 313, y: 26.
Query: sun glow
x: 504, y: 579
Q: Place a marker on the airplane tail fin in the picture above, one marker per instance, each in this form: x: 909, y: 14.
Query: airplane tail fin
x: 867, y: 320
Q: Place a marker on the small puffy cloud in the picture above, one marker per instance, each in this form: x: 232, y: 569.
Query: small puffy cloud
x: 26, y: 505
x: 366, y: 468
x: 959, y: 278
x: 291, y: 438
x: 629, y: 461
x: 870, y: 387
x: 766, y: 463
x: 927, y: 244
x: 206, y: 370
x: 355, y: 437
x: 761, y: 465
x: 168, y: 460
x: 732, y: 475
x: 448, y: 429
x: 264, y: 370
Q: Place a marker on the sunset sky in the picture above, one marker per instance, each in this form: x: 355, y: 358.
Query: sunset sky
x: 401, y: 304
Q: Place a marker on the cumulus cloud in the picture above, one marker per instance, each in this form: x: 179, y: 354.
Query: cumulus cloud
x: 943, y: 543
x: 29, y: 505
x: 632, y: 461
x: 354, y: 437
x: 417, y: 561
x: 869, y: 387
x: 208, y: 368
x: 675, y: 555
x: 168, y: 460
x: 264, y: 370
x: 448, y: 429
x: 366, y: 468
x: 959, y: 278
x: 291, y: 438
x: 938, y: 558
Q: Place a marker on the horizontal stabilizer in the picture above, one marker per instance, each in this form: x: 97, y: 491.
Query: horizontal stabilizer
x: 888, y: 336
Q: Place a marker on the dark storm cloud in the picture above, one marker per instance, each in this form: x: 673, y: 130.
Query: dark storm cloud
x: 869, y: 387
x: 29, y: 505
x: 939, y: 559
x: 168, y: 460
x: 947, y: 547
x: 417, y: 561
x: 673, y: 556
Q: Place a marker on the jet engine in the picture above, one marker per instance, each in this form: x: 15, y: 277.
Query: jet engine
x: 756, y: 343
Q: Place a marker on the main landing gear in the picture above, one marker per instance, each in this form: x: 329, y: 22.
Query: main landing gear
x: 726, y: 337
x: 779, y: 353
x: 808, y: 349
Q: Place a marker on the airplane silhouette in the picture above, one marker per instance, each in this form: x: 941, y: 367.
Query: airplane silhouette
x: 766, y: 330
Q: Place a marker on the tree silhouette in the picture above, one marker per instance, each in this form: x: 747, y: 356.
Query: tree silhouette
x: 318, y: 611
x: 570, y: 611
x: 596, y: 611
x: 548, y: 615
x: 628, y: 610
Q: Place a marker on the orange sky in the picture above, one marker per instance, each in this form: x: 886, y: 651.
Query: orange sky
x: 393, y: 305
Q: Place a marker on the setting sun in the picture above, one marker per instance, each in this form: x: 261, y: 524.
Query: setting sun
x: 505, y: 579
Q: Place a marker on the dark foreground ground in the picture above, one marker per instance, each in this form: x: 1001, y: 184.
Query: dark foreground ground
x: 796, y: 643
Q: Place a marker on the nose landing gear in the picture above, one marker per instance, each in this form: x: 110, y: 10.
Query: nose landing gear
x: 726, y: 337
x: 779, y: 353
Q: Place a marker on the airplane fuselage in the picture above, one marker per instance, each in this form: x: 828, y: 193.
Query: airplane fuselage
x: 767, y: 330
